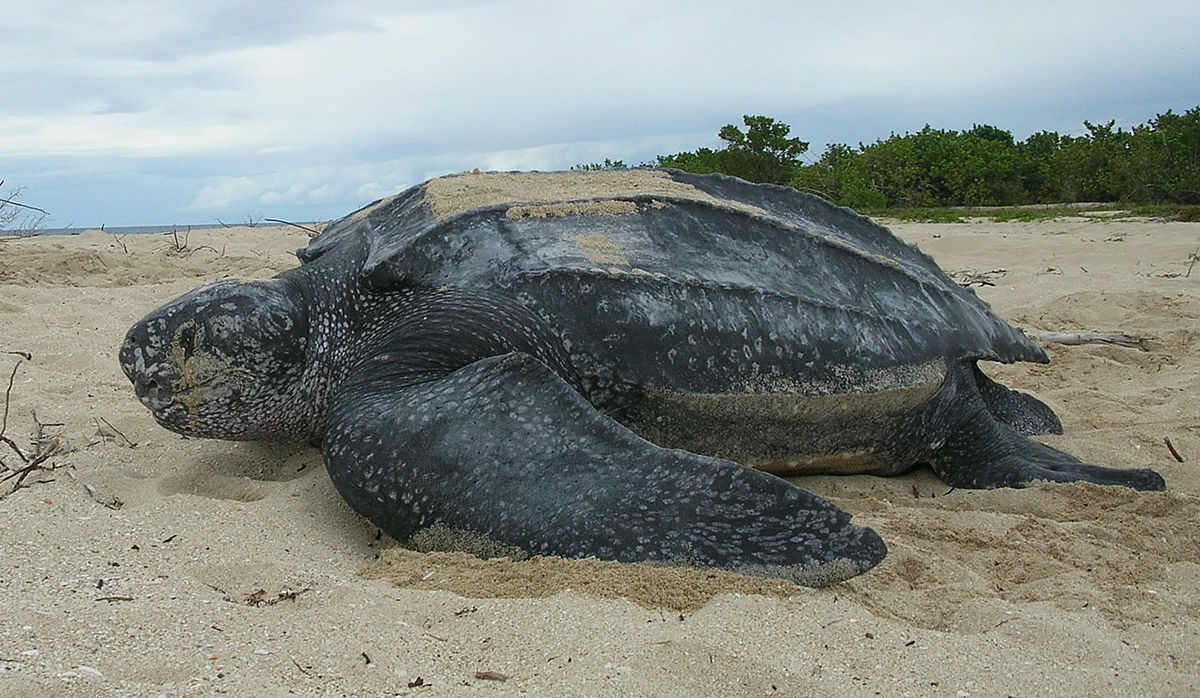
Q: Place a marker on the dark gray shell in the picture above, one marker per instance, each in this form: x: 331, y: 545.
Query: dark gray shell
x: 692, y: 283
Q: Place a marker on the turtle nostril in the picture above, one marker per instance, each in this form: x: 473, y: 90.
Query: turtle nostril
x: 146, y: 387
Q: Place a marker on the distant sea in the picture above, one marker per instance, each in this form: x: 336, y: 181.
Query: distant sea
x: 139, y: 229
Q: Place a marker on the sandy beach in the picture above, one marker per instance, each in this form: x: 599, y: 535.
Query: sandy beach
x: 146, y: 564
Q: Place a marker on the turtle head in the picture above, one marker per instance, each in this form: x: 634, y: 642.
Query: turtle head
x: 223, y: 361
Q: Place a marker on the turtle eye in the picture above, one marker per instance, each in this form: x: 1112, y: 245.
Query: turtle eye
x: 187, y: 340
x: 279, y: 322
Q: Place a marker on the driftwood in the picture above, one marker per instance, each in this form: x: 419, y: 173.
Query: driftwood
x: 972, y: 277
x: 1118, y: 338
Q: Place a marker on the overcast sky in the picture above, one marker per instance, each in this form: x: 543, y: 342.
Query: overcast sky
x: 129, y: 113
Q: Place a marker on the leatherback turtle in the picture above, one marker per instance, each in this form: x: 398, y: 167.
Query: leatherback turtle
x: 575, y: 363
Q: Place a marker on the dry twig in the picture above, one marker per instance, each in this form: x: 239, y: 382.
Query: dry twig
x: 491, y: 676
x: 182, y: 248
x: 971, y: 277
x: 11, y: 210
x: 313, y: 232
x: 33, y: 465
x: 110, y: 433
x: 10, y: 202
x: 45, y: 445
x: 259, y: 597
x: 1171, y: 448
x: 4, y: 419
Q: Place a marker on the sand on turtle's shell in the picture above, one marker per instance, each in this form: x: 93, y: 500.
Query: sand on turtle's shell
x: 551, y: 192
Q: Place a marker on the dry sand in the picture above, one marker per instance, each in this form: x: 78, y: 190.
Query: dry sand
x: 193, y: 567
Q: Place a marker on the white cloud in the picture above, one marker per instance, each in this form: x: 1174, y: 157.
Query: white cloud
x: 225, y: 192
x: 360, y: 183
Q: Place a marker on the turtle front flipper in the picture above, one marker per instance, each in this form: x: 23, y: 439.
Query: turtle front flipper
x: 506, y: 450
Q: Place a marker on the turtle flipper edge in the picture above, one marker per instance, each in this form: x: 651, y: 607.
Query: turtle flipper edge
x: 506, y: 449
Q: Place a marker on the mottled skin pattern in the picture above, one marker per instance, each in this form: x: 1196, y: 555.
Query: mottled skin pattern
x: 582, y: 383
x: 201, y: 358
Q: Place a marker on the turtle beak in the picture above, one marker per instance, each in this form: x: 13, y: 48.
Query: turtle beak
x: 151, y: 373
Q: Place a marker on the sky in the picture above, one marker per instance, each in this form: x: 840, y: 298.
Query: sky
x: 142, y: 113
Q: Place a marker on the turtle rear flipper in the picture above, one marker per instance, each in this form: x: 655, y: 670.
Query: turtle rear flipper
x: 506, y: 450
x: 1021, y: 411
x: 983, y: 452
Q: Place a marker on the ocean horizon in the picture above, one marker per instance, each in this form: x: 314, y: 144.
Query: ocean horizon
x: 145, y: 229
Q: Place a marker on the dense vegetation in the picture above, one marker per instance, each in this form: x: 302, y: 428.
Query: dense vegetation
x: 1157, y: 162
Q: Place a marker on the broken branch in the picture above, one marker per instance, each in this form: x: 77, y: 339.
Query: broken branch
x: 32, y: 466
x: 4, y: 419
x: 314, y: 231
x: 112, y: 431
x: 491, y: 676
x: 971, y: 277
x: 10, y: 202
x: 45, y: 445
x: 1118, y: 338
x: 1171, y: 448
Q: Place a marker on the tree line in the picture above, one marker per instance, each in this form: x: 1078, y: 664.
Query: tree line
x: 1155, y: 162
